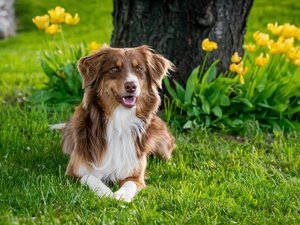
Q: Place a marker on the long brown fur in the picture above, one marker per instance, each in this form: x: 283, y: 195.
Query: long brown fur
x: 84, y: 137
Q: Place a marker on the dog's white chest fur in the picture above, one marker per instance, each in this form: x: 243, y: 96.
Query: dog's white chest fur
x: 120, y: 158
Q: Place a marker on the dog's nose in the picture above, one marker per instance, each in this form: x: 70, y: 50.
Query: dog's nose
x: 130, y: 87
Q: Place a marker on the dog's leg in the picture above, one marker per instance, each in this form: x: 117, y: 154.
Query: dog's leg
x: 127, y: 192
x: 96, y: 185
x: 161, y: 141
x: 133, y: 184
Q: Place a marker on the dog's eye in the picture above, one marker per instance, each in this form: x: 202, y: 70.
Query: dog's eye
x: 139, y: 69
x: 114, y: 70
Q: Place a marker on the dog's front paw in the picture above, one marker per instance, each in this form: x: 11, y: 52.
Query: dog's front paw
x: 96, y: 185
x: 122, y: 195
x: 126, y: 192
x: 104, y: 192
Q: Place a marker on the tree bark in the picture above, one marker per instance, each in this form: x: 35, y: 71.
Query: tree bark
x: 7, y: 18
x: 176, y: 28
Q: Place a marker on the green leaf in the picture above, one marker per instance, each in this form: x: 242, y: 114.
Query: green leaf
x: 260, y: 87
x: 171, y: 90
x: 191, y: 84
x: 280, y: 107
x: 264, y: 104
x: 224, y: 100
x: 217, y: 111
x: 205, y: 105
x: 47, y: 69
x: 208, y: 76
x: 207, y: 121
x: 235, y: 123
x: 196, y: 111
x: 293, y: 111
x: 267, y: 93
x: 212, y: 72
x: 180, y: 91
x: 245, y: 101
x: 188, y: 125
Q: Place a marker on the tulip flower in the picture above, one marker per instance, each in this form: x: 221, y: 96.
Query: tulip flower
x: 261, y: 60
x: 42, y: 22
x: 235, y: 58
x: 242, y: 80
x: 57, y: 15
x: 209, y: 46
x: 52, y: 29
x: 297, y: 61
x: 289, y: 30
x: 275, y: 29
x: 233, y: 67
x: 281, y: 46
x: 250, y: 47
x: 71, y: 20
x: 240, y: 70
x: 261, y: 39
x: 94, y: 46
x: 293, y: 53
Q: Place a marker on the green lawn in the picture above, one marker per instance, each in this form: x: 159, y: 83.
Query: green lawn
x: 212, y: 178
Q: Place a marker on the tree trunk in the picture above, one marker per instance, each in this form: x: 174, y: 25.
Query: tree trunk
x: 7, y: 18
x: 176, y: 28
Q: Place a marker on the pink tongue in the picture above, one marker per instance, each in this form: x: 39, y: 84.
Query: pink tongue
x: 129, y: 101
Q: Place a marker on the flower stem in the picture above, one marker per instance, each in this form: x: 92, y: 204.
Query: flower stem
x: 64, y: 42
x: 203, y: 65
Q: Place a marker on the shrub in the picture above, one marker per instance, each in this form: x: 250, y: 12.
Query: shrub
x: 59, y: 63
x: 261, y: 90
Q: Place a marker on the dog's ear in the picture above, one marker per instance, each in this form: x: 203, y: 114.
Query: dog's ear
x: 158, y: 66
x: 90, y: 66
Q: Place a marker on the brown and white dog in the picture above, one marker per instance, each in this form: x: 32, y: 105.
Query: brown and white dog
x: 115, y: 127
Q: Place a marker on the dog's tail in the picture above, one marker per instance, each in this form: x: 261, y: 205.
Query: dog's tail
x: 58, y: 126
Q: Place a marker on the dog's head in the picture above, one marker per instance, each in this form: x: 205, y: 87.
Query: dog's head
x: 122, y: 76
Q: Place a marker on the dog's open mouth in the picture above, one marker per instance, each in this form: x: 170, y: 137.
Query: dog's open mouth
x: 128, y: 101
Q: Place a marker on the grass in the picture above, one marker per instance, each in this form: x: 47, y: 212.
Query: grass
x: 264, y: 12
x: 212, y: 178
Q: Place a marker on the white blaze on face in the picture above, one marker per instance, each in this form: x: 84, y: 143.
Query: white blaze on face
x: 133, y: 78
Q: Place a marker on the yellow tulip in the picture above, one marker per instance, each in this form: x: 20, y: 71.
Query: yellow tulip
x: 52, y: 29
x: 261, y: 60
x: 42, y: 22
x: 297, y: 61
x: 289, y: 30
x: 242, y: 80
x: 261, y: 39
x: 235, y: 58
x: 94, y: 46
x: 282, y: 45
x: 233, y: 67
x: 275, y: 48
x: 275, y: 29
x: 57, y: 15
x: 293, y: 53
x: 209, y: 46
x: 250, y: 47
x: 241, y: 70
x: 71, y: 20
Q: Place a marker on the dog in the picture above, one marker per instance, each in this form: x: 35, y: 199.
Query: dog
x: 115, y: 127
